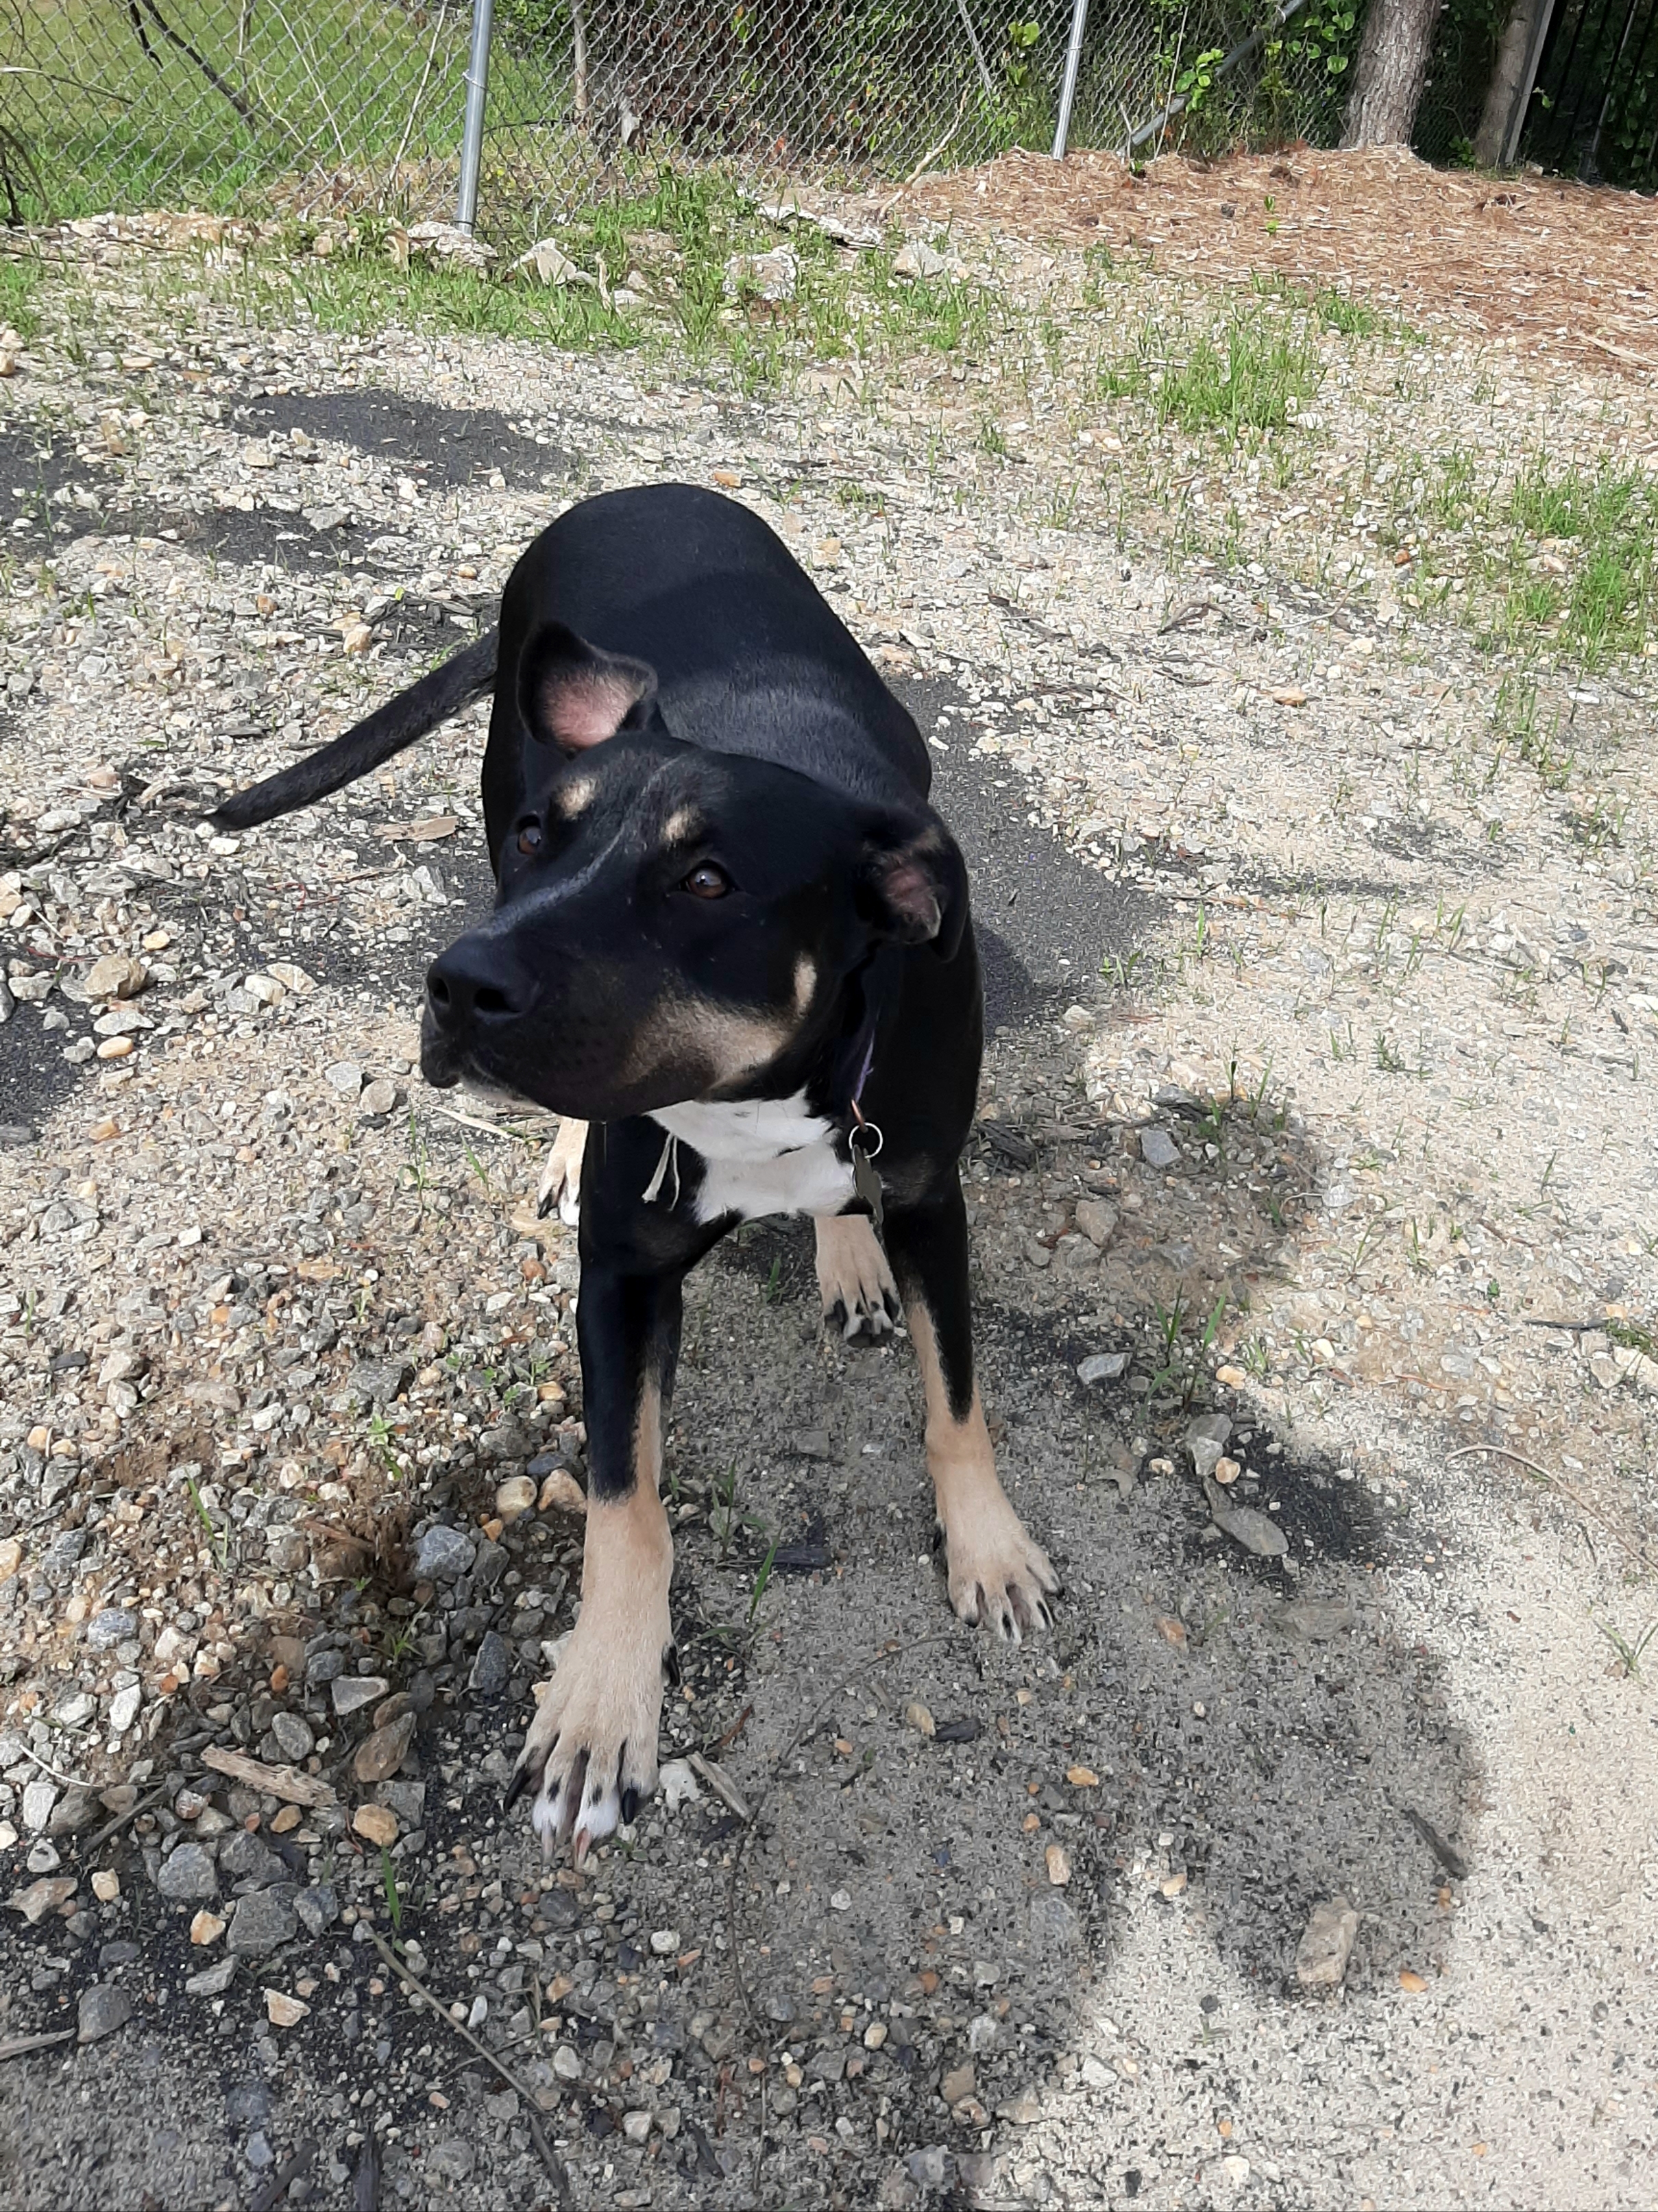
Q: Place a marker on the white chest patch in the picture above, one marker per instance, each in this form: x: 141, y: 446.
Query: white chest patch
x: 761, y: 1155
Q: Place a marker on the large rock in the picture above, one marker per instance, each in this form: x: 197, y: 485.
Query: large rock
x: 379, y: 1755
x: 262, y: 1922
x: 1322, y: 1955
x: 115, y: 1625
x: 1256, y: 1532
x: 245, y: 1858
x: 492, y: 1668
x: 189, y: 1875
x: 103, y: 2009
x: 443, y: 1554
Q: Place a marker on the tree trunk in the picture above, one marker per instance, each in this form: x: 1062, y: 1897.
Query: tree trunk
x: 1393, y: 65
x: 1512, y: 77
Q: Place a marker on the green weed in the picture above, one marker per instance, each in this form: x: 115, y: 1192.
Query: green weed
x: 1255, y: 374
x: 19, y: 288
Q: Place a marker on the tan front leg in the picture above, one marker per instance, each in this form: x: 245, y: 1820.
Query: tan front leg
x: 561, y: 1179
x: 997, y: 1575
x: 591, y: 1751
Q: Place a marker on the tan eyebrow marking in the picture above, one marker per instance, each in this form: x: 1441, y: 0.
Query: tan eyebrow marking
x: 683, y: 824
x: 574, y: 798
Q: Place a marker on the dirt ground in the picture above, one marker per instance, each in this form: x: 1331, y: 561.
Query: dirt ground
x: 1320, y: 996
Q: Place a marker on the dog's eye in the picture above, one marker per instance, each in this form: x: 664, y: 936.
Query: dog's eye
x: 707, y: 881
x: 529, y: 837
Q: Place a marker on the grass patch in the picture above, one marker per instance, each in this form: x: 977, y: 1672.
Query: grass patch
x: 1333, y: 310
x: 1607, y: 521
x: 672, y: 243
x: 20, y: 296
x: 1254, y: 372
x: 1354, y: 318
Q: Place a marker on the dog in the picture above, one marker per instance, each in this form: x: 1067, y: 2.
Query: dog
x: 733, y: 947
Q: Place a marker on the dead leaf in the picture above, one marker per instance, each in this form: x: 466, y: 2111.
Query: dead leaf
x: 419, y: 832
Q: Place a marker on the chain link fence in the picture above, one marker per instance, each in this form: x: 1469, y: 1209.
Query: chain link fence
x: 308, y: 105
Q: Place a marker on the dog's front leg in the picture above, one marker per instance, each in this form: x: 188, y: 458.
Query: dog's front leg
x: 591, y: 1752
x: 998, y: 1575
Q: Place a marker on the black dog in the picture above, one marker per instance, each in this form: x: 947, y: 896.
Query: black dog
x: 732, y: 935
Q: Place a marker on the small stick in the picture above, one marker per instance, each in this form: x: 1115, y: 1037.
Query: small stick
x: 114, y: 1827
x: 723, y: 1788
x: 68, y: 1781
x: 365, y: 2182
x: 735, y: 1729
x: 17, y: 2046
x: 1566, y: 1491
x: 284, y: 1782
x: 926, y: 161
x: 472, y: 1121
x: 544, y: 2149
x: 268, y: 2198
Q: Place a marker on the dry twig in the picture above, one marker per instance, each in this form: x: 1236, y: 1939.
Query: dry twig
x: 554, y: 2165
x: 1558, y: 1482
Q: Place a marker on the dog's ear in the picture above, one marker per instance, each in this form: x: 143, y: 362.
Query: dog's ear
x: 913, y: 883
x: 573, y: 695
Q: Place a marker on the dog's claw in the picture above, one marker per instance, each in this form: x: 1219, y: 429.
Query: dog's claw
x: 516, y: 1788
x: 1000, y: 1580
x: 860, y: 1299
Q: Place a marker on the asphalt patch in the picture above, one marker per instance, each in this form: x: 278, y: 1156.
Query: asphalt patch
x: 448, y: 445
x: 1045, y: 922
x: 36, y: 464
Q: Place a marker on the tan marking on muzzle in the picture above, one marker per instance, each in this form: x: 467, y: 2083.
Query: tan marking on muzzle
x: 730, y: 1044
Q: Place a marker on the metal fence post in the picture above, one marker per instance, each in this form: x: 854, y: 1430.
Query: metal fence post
x: 1073, y: 61
x: 477, y: 86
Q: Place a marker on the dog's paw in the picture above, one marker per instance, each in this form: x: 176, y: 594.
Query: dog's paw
x: 589, y: 1755
x: 561, y: 1179
x: 999, y: 1578
x: 854, y: 1280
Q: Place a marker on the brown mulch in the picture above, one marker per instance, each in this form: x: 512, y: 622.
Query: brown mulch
x: 1566, y: 270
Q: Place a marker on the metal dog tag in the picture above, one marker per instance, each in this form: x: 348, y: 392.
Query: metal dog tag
x: 864, y: 1144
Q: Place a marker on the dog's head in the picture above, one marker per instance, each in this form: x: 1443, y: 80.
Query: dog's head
x: 672, y: 923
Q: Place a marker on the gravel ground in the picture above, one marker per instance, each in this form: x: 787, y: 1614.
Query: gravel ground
x: 1314, y: 1216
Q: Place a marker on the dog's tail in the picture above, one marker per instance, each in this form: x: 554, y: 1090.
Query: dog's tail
x: 388, y: 730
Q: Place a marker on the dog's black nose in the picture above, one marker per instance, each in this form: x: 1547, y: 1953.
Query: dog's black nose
x: 472, y: 986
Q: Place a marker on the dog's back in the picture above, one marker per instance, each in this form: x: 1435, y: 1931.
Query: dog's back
x: 750, y: 657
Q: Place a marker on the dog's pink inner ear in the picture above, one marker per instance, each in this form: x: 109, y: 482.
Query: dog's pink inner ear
x: 911, y: 898
x: 574, y: 697
x: 583, y: 707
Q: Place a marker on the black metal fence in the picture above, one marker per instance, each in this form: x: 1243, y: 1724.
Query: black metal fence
x: 1594, y: 109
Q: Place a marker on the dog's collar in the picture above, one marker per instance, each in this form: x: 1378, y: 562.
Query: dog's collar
x: 864, y: 1136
